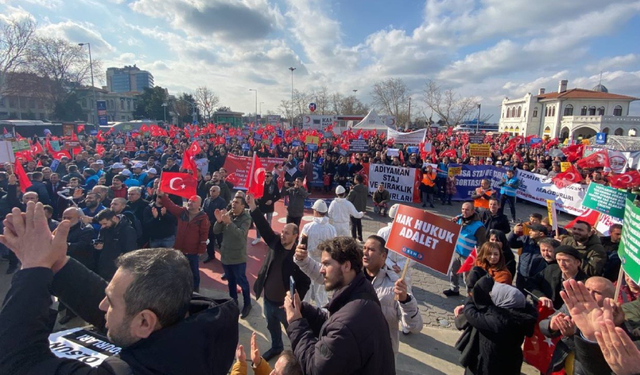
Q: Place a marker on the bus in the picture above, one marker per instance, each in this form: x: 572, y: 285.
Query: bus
x: 471, y: 127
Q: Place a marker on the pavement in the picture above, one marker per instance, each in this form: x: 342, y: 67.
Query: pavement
x: 429, y: 352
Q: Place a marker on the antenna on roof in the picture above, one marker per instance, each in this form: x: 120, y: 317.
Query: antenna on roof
x: 599, y: 83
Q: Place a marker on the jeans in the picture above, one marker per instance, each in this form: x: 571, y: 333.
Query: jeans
x: 441, y: 183
x: 454, y: 277
x: 275, y: 315
x: 215, y: 240
x: 269, y: 217
x: 504, y: 199
x: 236, y: 274
x: 193, y: 264
x: 380, y: 208
x: 162, y: 242
x: 356, y: 226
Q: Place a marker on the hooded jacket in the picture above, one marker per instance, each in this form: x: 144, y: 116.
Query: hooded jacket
x: 317, y: 231
x: 211, y: 327
x: 117, y: 240
x: 352, y: 338
x: 340, y: 210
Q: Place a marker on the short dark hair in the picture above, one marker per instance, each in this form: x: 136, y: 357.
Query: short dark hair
x: 162, y: 282
x: 120, y: 177
x: 292, y: 367
x: 549, y: 241
x: 615, y: 226
x: 48, y: 208
x: 72, y: 168
x: 536, y: 215
x: 381, y: 241
x: 105, y: 214
x: 37, y: 176
x: 359, y: 179
x: 584, y: 223
x: 343, y: 249
x: 494, y: 199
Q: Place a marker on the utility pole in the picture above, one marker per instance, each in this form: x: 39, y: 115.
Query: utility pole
x: 93, y: 87
x: 478, y: 122
x: 292, y: 69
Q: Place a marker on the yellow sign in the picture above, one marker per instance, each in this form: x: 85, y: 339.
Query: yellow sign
x: 551, y: 212
x: 586, y: 142
x: 455, y: 171
x: 312, y: 140
x: 564, y: 166
x: 482, y: 150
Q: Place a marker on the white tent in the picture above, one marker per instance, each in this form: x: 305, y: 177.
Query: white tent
x: 371, y: 121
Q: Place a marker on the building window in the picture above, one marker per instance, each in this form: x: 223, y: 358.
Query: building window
x: 568, y: 110
x: 519, y: 112
x: 592, y: 110
x: 122, y: 104
x: 535, y: 112
x: 553, y: 111
x: 583, y: 111
x: 617, y: 111
x: 12, y: 103
x: 618, y: 131
x: 601, y: 111
x: 32, y: 104
x: 128, y: 104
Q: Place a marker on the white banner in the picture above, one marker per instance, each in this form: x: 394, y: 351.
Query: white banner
x: 538, y: 188
x: 398, y: 181
x: 413, y: 138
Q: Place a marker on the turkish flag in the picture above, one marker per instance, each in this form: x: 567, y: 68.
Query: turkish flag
x: 255, y: 179
x: 552, y: 143
x: 189, y: 158
x: 469, y: 262
x: 100, y: 149
x: 180, y: 184
x: 625, y: 180
x: 22, y: 177
x: 509, y: 149
x: 595, y: 160
x: 80, y: 128
x: 450, y: 153
x: 568, y: 177
x: 36, y: 149
x: 539, y: 349
x: 573, y: 152
x: 57, y: 155
x: 590, y: 216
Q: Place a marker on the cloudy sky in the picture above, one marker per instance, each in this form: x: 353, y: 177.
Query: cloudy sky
x: 489, y: 48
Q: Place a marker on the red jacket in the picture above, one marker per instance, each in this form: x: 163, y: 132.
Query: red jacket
x: 192, y: 235
x: 122, y: 193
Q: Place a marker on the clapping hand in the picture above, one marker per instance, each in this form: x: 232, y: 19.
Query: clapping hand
x: 218, y: 215
x: 154, y: 212
x: 240, y: 354
x: 584, y: 310
x: 617, y: 348
x: 256, y: 358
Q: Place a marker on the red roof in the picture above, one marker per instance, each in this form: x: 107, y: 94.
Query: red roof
x: 583, y: 94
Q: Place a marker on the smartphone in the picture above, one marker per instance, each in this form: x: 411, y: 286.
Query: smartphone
x: 292, y: 288
x: 304, y: 240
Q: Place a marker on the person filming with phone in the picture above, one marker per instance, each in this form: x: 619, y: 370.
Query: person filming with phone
x: 276, y: 273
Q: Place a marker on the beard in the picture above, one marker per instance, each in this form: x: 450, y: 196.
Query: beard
x: 120, y: 335
x: 330, y: 285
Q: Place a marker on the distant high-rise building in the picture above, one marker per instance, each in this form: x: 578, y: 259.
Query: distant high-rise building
x: 128, y: 79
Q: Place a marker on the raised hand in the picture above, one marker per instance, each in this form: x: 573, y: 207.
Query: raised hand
x: 291, y: 308
x: 584, y: 310
x: 255, y: 351
x: 617, y: 348
x: 154, y: 212
x: 240, y: 354
x: 218, y: 215
x: 163, y: 211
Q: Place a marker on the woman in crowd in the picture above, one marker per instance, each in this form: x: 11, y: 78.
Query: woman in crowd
x: 490, y: 261
x: 500, y: 238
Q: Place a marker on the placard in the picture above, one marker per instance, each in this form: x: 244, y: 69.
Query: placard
x: 399, y: 181
x: 412, y: 138
x: 130, y: 146
x: 21, y: 145
x: 359, y: 145
x: 564, y: 166
x: 82, y: 344
x: 455, y: 171
x: 606, y: 200
x: 552, y: 214
x: 481, y: 151
x: 629, y: 249
x: 312, y: 139
x: 424, y: 237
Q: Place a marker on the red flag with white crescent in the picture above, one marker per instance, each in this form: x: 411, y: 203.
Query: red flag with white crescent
x: 625, y: 180
x: 255, y: 179
x: 568, y: 177
x: 180, y: 184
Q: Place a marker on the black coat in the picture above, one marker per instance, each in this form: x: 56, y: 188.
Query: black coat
x: 271, y: 193
x: 211, y: 329
x: 548, y: 283
x: 159, y: 227
x: 117, y: 240
x: 499, y: 221
x: 79, y: 244
x: 353, y: 338
x: 289, y: 268
x: 138, y: 208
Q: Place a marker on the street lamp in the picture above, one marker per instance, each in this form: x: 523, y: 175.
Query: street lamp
x: 256, y: 116
x: 354, y: 92
x: 164, y: 108
x: 478, y: 122
x: 292, y: 69
x: 93, y: 87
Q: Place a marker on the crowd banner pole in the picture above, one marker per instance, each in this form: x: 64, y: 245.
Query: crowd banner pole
x: 404, y: 273
x: 619, y: 284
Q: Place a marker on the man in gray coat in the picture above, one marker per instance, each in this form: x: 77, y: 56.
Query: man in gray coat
x: 358, y: 196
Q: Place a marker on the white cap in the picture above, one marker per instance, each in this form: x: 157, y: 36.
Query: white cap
x: 499, y: 162
x: 340, y: 190
x: 126, y: 172
x: 117, y: 166
x: 320, y: 206
x: 152, y: 170
x: 489, y: 159
x: 393, y: 211
x: 138, y: 165
x: 99, y: 161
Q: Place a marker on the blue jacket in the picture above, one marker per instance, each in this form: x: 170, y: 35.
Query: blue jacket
x: 510, y: 186
x: 472, y: 235
x: 531, y: 261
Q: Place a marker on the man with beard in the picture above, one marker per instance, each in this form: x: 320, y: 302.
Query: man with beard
x: 116, y: 237
x: 351, y: 336
x: 588, y: 244
x: 492, y: 218
x: 225, y: 192
x: 610, y: 244
x: 147, y: 309
x: 92, y: 207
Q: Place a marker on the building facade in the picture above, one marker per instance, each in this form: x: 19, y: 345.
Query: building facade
x: 120, y: 106
x: 128, y: 79
x: 572, y: 113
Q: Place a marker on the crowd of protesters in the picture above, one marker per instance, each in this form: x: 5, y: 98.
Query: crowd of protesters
x: 106, y: 192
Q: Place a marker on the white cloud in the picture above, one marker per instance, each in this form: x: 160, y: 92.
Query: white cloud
x: 76, y: 32
x: 616, y: 62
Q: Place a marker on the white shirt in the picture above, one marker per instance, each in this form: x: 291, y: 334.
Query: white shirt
x: 393, y: 258
x: 341, y: 209
x: 317, y: 231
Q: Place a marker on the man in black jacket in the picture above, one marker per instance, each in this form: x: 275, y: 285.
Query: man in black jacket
x: 159, y: 224
x: 39, y: 187
x: 546, y: 285
x: 494, y: 219
x: 274, y: 274
x: 213, y: 202
x: 148, y: 308
x: 268, y: 201
x: 116, y: 237
x: 353, y: 336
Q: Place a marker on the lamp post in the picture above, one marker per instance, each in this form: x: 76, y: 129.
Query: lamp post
x: 93, y: 88
x: 292, y: 69
x: 261, y: 103
x: 478, y: 122
x: 164, y: 108
x: 255, y: 122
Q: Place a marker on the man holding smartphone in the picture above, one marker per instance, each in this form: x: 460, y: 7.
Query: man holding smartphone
x: 276, y: 274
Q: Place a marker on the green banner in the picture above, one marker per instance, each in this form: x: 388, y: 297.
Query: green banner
x: 629, y: 250
x: 20, y: 145
x: 605, y: 199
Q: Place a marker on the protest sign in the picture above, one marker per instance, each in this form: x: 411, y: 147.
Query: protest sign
x: 130, y: 146
x: 470, y: 176
x: 423, y: 237
x: 312, y: 139
x: 20, y: 145
x: 480, y: 150
x: 605, y: 199
x: 238, y: 168
x: 629, y: 249
x: 455, y: 171
x: 412, y: 138
x: 564, y: 166
x: 538, y: 189
x: 399, y: 181
x: 391, y: 152
x: 552, y: 214
x: 82, y: 344
x: 359, y: 145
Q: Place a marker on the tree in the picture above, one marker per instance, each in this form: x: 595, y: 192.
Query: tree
x: 322, y: 98
x: 206, y: 100
x: 391, y: 97
x: 184, y: 108
x: 447, y: 104
x: 69, y: 109
x: 15, y: 38
x: 149, y: 103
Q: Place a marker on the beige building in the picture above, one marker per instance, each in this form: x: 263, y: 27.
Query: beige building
x: 120, y: 105
x: 569, y: 113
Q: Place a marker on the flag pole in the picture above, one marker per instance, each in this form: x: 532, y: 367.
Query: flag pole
x: 619, y: 284
x: 251, y: 172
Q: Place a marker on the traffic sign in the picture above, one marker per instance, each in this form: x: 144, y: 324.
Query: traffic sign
x: 312, y: 107
x: 601, y: 138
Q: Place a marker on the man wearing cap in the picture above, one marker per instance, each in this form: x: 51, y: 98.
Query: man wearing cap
x: 90, y: 178
x: 530, y: 255
x: 546, y: 285
x: 138, y: 174
x: 593, y: 254
x: 340, y: 211
x: 130, y: 181
x: 151, y: 175
x: 115, y: 169
x: 315, y: 232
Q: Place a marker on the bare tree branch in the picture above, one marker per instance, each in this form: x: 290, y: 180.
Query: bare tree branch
x: 391, y: 97
x: 447, y: 104
x: 207, y: 100
x: 15, y: 37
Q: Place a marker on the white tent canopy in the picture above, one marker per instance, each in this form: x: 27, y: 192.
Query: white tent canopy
x: 371, y: 121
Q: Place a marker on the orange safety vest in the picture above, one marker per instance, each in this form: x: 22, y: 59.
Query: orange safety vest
x: 481, y: 202
x: 429, y: 180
